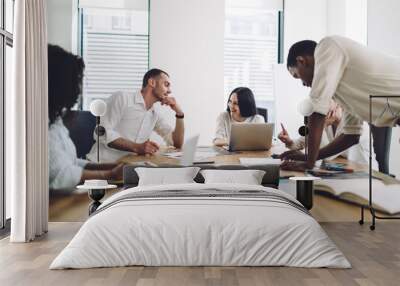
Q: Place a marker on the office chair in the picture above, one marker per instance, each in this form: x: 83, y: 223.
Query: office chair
x: 263, y: 112
x: 81, y: 125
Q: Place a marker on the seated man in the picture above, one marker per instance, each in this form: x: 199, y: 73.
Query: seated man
x: 131, y: 118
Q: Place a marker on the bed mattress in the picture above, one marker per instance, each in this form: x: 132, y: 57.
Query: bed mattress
x: 201, y: 225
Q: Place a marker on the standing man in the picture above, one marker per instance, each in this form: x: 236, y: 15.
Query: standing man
x: 341, y: 69
x: 131, y: 118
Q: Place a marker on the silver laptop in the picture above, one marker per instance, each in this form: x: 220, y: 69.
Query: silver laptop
x: 189, y: 151
x: 251, y: 136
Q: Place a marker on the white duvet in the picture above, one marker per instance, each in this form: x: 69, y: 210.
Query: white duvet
x: 200, y: 231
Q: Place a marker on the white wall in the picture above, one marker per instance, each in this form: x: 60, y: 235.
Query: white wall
x: 303, y: 20
x: 187, y: 41
x: 347, y: 18
x: 59, y: 23
x: 336, y: 17
x: 356, y: 20
x: 383, y: 28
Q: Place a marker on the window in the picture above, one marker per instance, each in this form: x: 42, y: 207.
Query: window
x: 251, y: 48
x: 6, y: 42
x: 115, y: 48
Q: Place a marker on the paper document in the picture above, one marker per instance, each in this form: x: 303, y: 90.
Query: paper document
x: 176, y: 154
x: 259, y: 161
x: 143, y: 163
x: 199, y: 155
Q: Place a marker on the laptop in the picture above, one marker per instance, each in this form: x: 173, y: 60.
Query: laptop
x: 251, y: 136
x: 189, y: 151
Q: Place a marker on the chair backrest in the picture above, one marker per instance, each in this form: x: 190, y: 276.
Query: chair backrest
x: 263, y: 112
x: 81, y: 125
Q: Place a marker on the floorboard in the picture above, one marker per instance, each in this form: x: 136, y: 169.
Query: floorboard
x: 374, y: 255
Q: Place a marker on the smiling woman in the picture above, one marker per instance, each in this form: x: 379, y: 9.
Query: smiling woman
x: 241, y: 107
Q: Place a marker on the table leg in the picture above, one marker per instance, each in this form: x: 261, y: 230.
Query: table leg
x: 96, y: 195
x: 305, y: 193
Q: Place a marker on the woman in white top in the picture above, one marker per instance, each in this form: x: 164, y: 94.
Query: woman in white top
x: 241, y: 108
x: 65, y: 73
x: 333, y: 128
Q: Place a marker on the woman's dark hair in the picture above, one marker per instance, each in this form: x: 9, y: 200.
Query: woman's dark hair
x: 246, y: 101
x: 302, y: 48
x: 65, y: 74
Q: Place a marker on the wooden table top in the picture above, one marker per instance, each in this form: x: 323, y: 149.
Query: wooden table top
x: 232, y: 158
x: 222, y: 159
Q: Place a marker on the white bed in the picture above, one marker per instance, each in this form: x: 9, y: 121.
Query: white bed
x: 243, y: 228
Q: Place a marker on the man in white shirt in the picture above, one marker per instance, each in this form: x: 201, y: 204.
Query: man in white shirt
x: 131, y: 118
x: 341, y: 69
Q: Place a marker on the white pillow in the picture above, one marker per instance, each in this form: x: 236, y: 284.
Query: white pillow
x: 248, y: 177
x: 165, y: 176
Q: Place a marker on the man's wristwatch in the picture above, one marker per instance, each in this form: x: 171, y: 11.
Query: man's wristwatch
x: 180, y: 116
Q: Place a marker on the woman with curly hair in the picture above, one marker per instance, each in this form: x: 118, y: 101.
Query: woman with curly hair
x: 65, y: 74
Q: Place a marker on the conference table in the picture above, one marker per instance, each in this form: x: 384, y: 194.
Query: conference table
x: 226, y: 158
x: 74, y: 208
x: 302, y: 190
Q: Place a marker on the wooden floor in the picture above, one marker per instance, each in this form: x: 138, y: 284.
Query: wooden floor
x: 74, y: 208
x: 375, y: 257
x: 67, y: 207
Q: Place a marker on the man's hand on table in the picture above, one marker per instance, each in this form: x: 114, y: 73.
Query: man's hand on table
x: 294, y: 166
x: 148, y: 147
x: 292, y: 155
x: 294, y: 161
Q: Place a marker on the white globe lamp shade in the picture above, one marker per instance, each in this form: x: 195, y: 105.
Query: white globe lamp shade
x: 305, y: 107
x: 98, y: 107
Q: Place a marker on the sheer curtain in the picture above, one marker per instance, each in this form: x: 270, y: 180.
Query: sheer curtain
x: 28, y: 123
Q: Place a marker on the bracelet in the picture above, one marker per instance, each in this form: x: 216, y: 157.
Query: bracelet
x: 180, y: 116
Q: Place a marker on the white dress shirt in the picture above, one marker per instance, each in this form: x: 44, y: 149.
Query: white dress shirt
x: 349, y: 72
x: 224, y: 123
x: 65, y: 169
x: 127, y: 117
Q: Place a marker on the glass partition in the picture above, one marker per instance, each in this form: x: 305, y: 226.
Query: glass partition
x: 251, y: 46
x: 114, y: 44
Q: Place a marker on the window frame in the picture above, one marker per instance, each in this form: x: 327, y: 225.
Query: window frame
x: 279, y: 59
x: 81, y: 50
x: 6, y: 39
